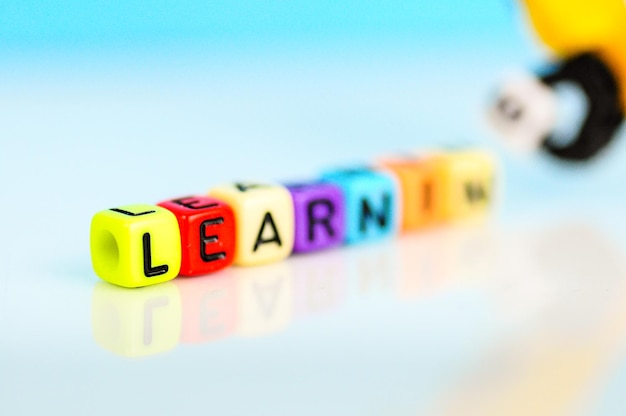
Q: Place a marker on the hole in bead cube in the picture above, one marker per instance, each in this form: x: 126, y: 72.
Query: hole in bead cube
x: 109, y: 250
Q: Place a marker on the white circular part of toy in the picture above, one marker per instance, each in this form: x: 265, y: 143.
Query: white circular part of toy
x: 524, y: 112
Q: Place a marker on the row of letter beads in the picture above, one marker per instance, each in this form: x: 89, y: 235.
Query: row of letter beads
x: 253, y: 224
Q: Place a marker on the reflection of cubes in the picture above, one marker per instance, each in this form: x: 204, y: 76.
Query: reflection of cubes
x: 265, y: 299
x: 319, y: 281
x: 264, y: 228
x: 135, y: 245
x: 371, y: 199
x: 372, y: 268
x: 424, y: 264
x: 137, y: 322
x: 468, y: 183
x: 209, y: 307
x: 472, y: 251
x: 432, y: 260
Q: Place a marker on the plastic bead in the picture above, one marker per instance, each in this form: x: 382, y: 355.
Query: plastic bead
x: 468, y: 180
x: 135, y: 245
x: 207, y: 232
x: 320, y: 216
x: 421, y: 190
x: 249, y: 224
x: 371, y: 203
x: 264, y: 217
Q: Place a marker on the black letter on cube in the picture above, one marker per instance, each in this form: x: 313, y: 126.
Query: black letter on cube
x: 381, y: 217
x: 275, y: 239
x: 325, y: 221
x: 210, y: 239
x: 148, y: 270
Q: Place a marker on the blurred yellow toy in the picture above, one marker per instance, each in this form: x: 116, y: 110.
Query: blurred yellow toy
x: 588, y: 40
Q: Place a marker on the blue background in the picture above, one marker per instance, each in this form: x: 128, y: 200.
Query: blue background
x: 67, y: 25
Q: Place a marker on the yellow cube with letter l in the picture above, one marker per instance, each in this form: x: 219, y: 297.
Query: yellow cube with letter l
x: 135, y: 245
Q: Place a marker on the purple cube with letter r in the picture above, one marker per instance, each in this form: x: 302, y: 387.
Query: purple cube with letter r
x: 320, y: 213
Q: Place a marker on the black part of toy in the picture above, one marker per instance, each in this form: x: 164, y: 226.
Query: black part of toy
x: 605, y: 114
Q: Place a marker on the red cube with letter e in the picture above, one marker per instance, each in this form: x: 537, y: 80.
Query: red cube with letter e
x: 207, y: 233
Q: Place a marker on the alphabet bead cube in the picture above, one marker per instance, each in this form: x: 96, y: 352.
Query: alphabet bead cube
x: 136, y: 323
x: 320, y: 216
x: 135, y: 245
x: 249, y: 224
x: 207, y: 233
x: 264, y: 221
x: 371, y: 199
x: 468, y: 183
x: 421, y: 190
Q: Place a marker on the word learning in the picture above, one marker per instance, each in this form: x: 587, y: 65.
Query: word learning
x: 248, y: 224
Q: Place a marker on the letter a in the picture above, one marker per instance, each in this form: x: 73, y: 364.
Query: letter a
x: 275, y: 237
